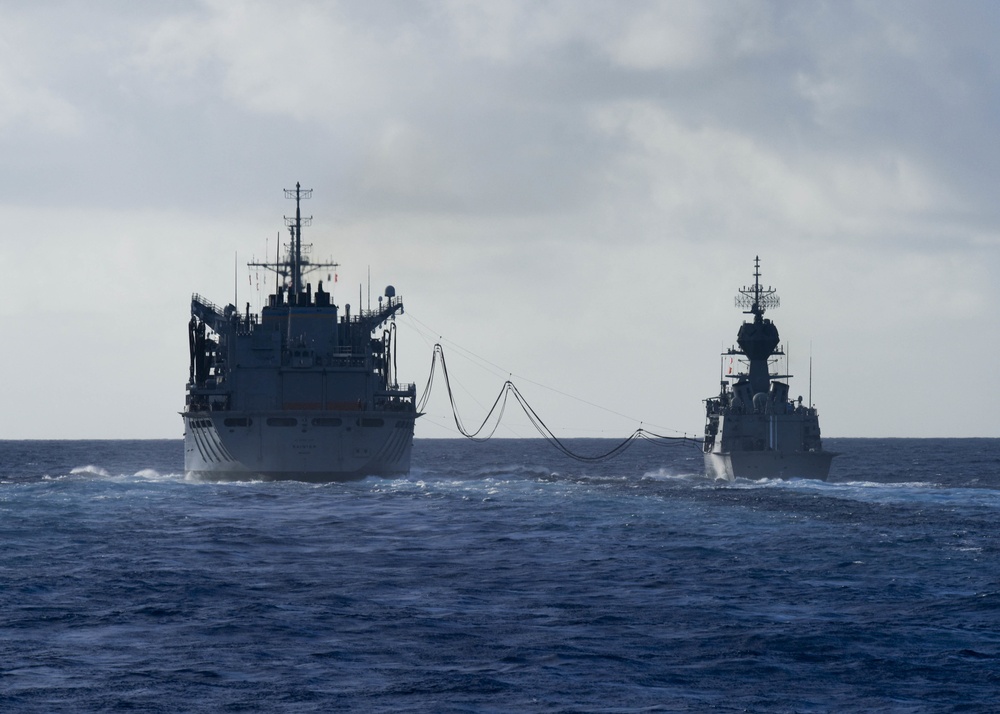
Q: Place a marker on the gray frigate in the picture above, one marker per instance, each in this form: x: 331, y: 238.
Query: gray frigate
x: 753, y: 430
x: 300, y: 391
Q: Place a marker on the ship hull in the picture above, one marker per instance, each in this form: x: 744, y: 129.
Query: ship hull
x: 756, y: 465
x: 316, y: 447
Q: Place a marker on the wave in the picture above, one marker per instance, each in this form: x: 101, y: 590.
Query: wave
x: 663, y: 474
x: 89, y: 470
x: 493, y: 471
x: 882, y: 492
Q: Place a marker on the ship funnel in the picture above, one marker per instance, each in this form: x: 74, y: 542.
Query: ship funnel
x: 779, y: 396
x: 744, y: 395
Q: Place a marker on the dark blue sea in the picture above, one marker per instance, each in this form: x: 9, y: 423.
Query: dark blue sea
x: 501, y: 577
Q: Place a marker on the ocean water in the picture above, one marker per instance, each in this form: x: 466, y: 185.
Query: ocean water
x: 501, y: 577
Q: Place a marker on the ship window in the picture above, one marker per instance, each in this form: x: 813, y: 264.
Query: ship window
x: 237, y: 421
x: 282, y: 421
x: 326, y: 421
x: 372, y: 422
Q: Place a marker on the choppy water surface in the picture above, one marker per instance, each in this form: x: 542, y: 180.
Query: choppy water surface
x: 501, y: 577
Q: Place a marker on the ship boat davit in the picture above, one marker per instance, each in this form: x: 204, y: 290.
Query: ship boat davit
x: 299, y: 391
x: 753, y: 430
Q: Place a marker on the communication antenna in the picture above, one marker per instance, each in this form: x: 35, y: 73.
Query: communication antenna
x: 296, y: 223
x: 755, y: 299
x: 296, y: 264
x: 810, y: 376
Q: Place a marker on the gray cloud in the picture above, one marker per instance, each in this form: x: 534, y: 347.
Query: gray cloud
x: 573, y: 188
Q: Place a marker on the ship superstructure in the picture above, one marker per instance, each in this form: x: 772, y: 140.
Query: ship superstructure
x: 753, y: 430
x: 300, y: 391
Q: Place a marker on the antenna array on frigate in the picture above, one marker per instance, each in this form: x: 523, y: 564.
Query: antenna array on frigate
x: 755, y: 300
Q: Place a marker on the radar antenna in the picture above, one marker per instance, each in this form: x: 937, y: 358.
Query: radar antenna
x: 295, y: 265
x: 755, y: 300
x: 295, y: 224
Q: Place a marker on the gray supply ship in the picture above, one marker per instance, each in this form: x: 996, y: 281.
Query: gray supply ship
x: 753, y: 430
x: 300, y: 391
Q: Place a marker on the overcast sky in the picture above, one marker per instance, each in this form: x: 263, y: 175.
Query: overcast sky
x: 567, y: 192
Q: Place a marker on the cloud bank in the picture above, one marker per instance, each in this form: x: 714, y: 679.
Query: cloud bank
x: 572, y: 191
